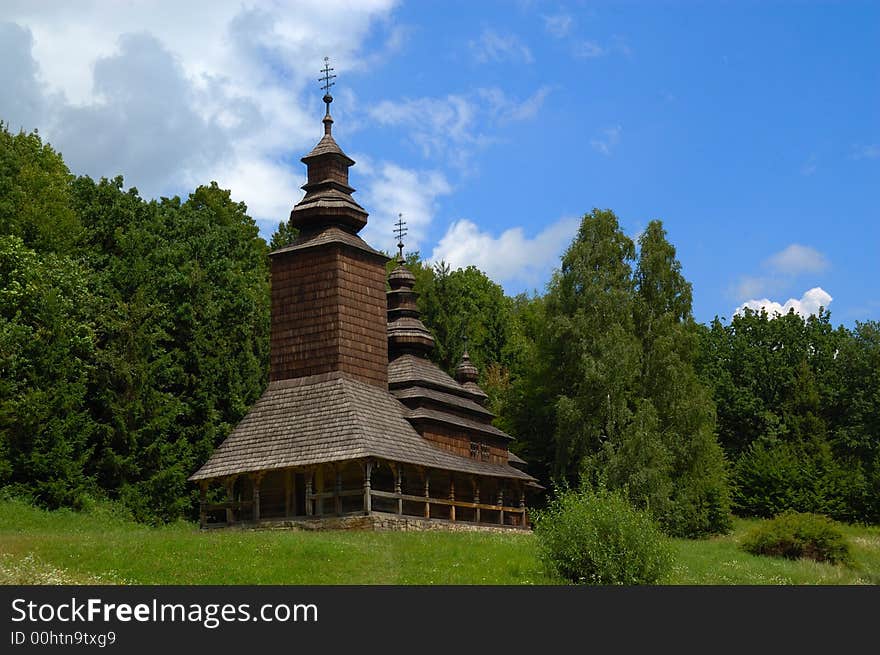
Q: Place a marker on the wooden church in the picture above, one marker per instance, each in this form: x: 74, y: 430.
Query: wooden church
x: 358, y: 428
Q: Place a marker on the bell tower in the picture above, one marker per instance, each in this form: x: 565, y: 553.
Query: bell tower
x: 328, y: 286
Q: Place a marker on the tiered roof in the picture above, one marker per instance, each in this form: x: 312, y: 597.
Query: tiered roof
x: 406, y: 332
x: 432, y: 396
x: 333, y: 416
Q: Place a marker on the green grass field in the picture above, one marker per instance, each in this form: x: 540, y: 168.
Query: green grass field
x: 63, y: 547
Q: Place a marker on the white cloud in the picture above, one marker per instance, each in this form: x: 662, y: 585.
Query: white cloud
x: 750, y: 286
x: 209, y: 36
x: 806, y: 305
x: 269, y: 188
x: 453, y: 126
x: 608, y: 140
x: 390, y: 190
x: 810, y: 166
x: 871, y: 151
x: 438, y: 126
x: 796, y: 259
x: 172, y: 94
x: 494, y: 47
x: 146, y: 124
x: 781, y: 270
x: 558, y: 25
x: 588, y: 50
x: 510, y: 257
x: 504, y: 109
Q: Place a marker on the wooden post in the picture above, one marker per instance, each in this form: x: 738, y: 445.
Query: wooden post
x: 310, y: 505
x: 230, y: 497
x: 500, y: 504
x: 293, y: 493
x: 477, y: 499
x: 427, y: 494
x: 338, y: 491
x: 368, y: 497
x: 452, y: 498
x: 522, y: 505
x: 319, y: 487
x: 398, y: 470
x: 287, y: 485
x: 257, y: 478
x: 203, y: 504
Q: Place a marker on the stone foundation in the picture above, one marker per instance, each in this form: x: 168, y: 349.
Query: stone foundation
x: 377, y: 521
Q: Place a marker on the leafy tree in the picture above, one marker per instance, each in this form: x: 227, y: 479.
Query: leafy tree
x: 854, y: 411
x: 525, y: 401
x: 668, y: 457
x: 35, y: 202
x: 223, y: 274
x: 589, y: 341
x: 283, y: 236
x: 790, y: 393
x: 464, y: 304
x: 183, y: 327
x: 46, y: 348
x: 613, y: 356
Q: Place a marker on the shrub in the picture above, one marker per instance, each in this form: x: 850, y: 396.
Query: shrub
x: 597, y: 537
x: 794, y: 535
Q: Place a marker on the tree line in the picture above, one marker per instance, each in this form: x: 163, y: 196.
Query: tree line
x: 134, y: 335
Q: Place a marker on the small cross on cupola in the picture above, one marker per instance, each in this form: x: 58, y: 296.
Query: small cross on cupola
x: 326, y: 80
x: 400, y: 232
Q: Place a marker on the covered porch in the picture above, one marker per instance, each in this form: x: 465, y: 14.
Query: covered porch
x: 361, y: 488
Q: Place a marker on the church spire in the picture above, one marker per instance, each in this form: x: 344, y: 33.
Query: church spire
x: 406, y: 332
x: 328, y: 201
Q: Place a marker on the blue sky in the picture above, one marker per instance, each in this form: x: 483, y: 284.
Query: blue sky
x: 752, y: 129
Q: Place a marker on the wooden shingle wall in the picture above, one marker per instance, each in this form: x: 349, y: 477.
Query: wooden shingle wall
x: 459, y: 443
x: 363, y: 340
x: 328, y: 314
x: 327, y: 169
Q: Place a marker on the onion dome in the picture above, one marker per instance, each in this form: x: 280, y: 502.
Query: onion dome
x: 466, y: 371
x: 466, y: 374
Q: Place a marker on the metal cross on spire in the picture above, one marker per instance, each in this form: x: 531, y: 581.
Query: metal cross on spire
x: 400, y: 232
x: 327, y: 82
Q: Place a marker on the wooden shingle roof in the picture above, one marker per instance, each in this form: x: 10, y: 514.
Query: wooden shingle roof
x: 411, y: 370
x: 328, y: 418
x: 443, y: 399
x: 425, y: 415
x: 328, y: 236
x: 327, y: 146
x: 474, y: 388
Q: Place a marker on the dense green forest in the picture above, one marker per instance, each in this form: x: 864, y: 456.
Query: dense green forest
x: 134, y: 335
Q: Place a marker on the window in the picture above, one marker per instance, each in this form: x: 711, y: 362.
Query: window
x: 479, y: 451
